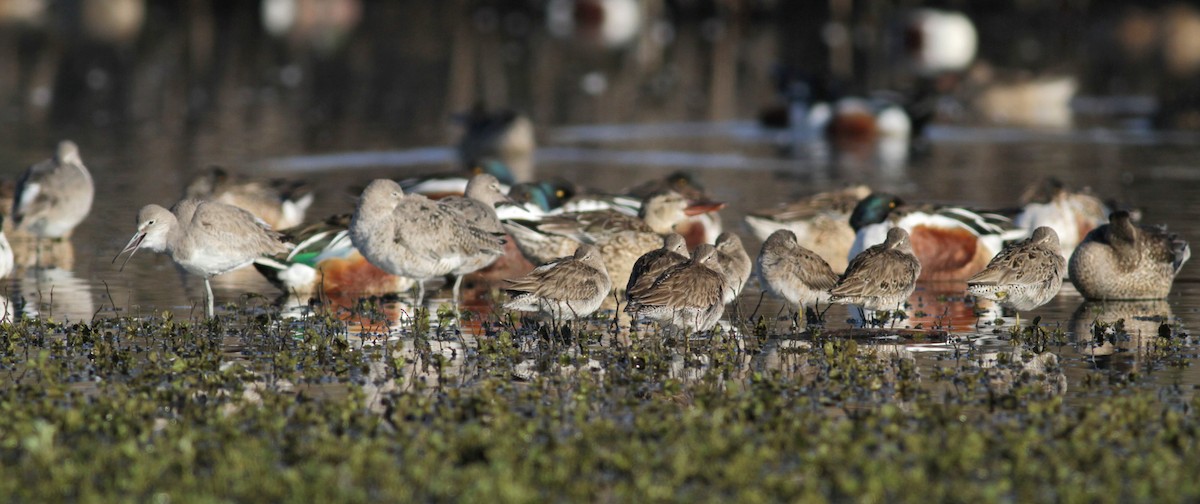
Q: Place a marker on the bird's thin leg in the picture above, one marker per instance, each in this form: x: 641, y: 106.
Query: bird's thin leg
x: 457, y: 285
x: 208, y: 299
x: 420, y: 294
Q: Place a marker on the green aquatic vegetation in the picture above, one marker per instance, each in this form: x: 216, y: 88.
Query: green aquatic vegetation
x: 254, y: 407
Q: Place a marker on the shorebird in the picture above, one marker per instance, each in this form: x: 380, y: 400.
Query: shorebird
x: 205, y: 238
x: 325, y: 263
x: 794, y: 273
x: 478, y: 204
x: 1025, y: 275
x: 413, y: 236
x: 565, y: 289
x: 53, y: 196
x: 735, y: 265
x: 622, y: 238
x: 951, y: 243
x: 654, y: 263
x: 280, y: 203
x: 687, y: 296
x: 881, y: 277
x: 1123, y: 260
x: 821, y: 223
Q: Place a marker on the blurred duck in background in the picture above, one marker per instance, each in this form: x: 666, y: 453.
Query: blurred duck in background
x: 820, y: 223
x: 504, y: 135
x: 280, y: 203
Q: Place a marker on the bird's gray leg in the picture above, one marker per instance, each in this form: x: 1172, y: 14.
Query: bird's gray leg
x: 208, y: 299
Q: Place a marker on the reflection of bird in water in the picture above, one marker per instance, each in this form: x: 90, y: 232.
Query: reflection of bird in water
x: 504, y: 135
x: 57, y: 293
x: 952, y: 243
x: 1142, y: 322
x: 1123, y: 260
x: 1025, y: 275
x: 53, y: 196
x: 1007, y: 370
x: 821, y: 223
x: 280, y: 203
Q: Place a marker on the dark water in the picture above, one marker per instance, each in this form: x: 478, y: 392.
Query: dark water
x: 200, y: 88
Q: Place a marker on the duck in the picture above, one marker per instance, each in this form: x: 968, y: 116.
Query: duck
x: 937, y: 41
x: 622, y: 239
x: 326, y: 265
x: 1124, y: 260
x: 696, y: 229
x: 688, y: 296
x: 609, y: 24
x: 794, y: 273
x: 820, y: 223
x: 1072, y: 214
x: 952, y: 243
x: 1025, y: 275
x: 880, y: 277
x: 505, y: 135
x: 280, y: 203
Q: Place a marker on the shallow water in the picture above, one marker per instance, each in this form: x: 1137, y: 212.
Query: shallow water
x: 145, y: 129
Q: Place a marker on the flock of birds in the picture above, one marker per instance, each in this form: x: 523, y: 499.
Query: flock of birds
x: 851, y: 246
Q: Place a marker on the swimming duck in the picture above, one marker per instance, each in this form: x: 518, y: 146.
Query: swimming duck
x: 504, y: 135
x: 1124, y: 260
x: 821, y: 223
x: 1072, y: 214
x: 952, y: 243
x: 938, y: 41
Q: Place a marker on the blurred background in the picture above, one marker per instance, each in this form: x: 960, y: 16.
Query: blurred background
x: 997, y: 94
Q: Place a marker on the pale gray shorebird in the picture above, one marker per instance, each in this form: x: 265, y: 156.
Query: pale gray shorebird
x: 478, y: 205
x: 1023, y: 276
x: 688, y: 296
x: 735, y: 265
x: 881, y: 277
x: 622, y: 238
x: 205, y: 238
x: 53, y: 196
x: 280, y: 203
x: 565, y: 289
x: 794, y: 273
x: 1124, y: 260
x: 412, y: 236
x: 654, y: 263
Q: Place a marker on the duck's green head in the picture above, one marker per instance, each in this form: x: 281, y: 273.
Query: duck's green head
x: 873, y: 209
x: 495, y: 168
x: 557, y: 192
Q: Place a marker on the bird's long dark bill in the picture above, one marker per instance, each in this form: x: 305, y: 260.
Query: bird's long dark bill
x: 701, y: 207
x: 130, y: 247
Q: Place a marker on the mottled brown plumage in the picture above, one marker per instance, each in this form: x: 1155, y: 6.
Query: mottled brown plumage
x: 654, y: 263
x: 1025, y: 275
x: 1122, y: 260
x: 687, y: 296
x: 792, y: 272
x: 565, y: 289
x: 882, y: 276
x: 735, y: 265
x: 820, y: 222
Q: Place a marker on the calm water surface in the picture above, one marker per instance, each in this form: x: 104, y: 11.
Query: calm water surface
x: 161, y: 129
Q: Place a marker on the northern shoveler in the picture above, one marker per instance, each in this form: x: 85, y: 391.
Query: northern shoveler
x: 504, y: 135
x: 279, y: 203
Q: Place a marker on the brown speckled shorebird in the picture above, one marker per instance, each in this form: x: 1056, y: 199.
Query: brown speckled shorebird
x: 478, y: 204
x: 205, y: 238
x: 820, y: 222
x: 410, y: 235
x: 53, y: 196
x: 792, y: 272
x: 735, y: 265
x: 280, y: 203
x: 568, y: 288
x: 1122, y: 260
x: 687, y: 296
x: 881, y: 277
x: 1025, y: 275
x: 622, y: 238
x: 654, y: 263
